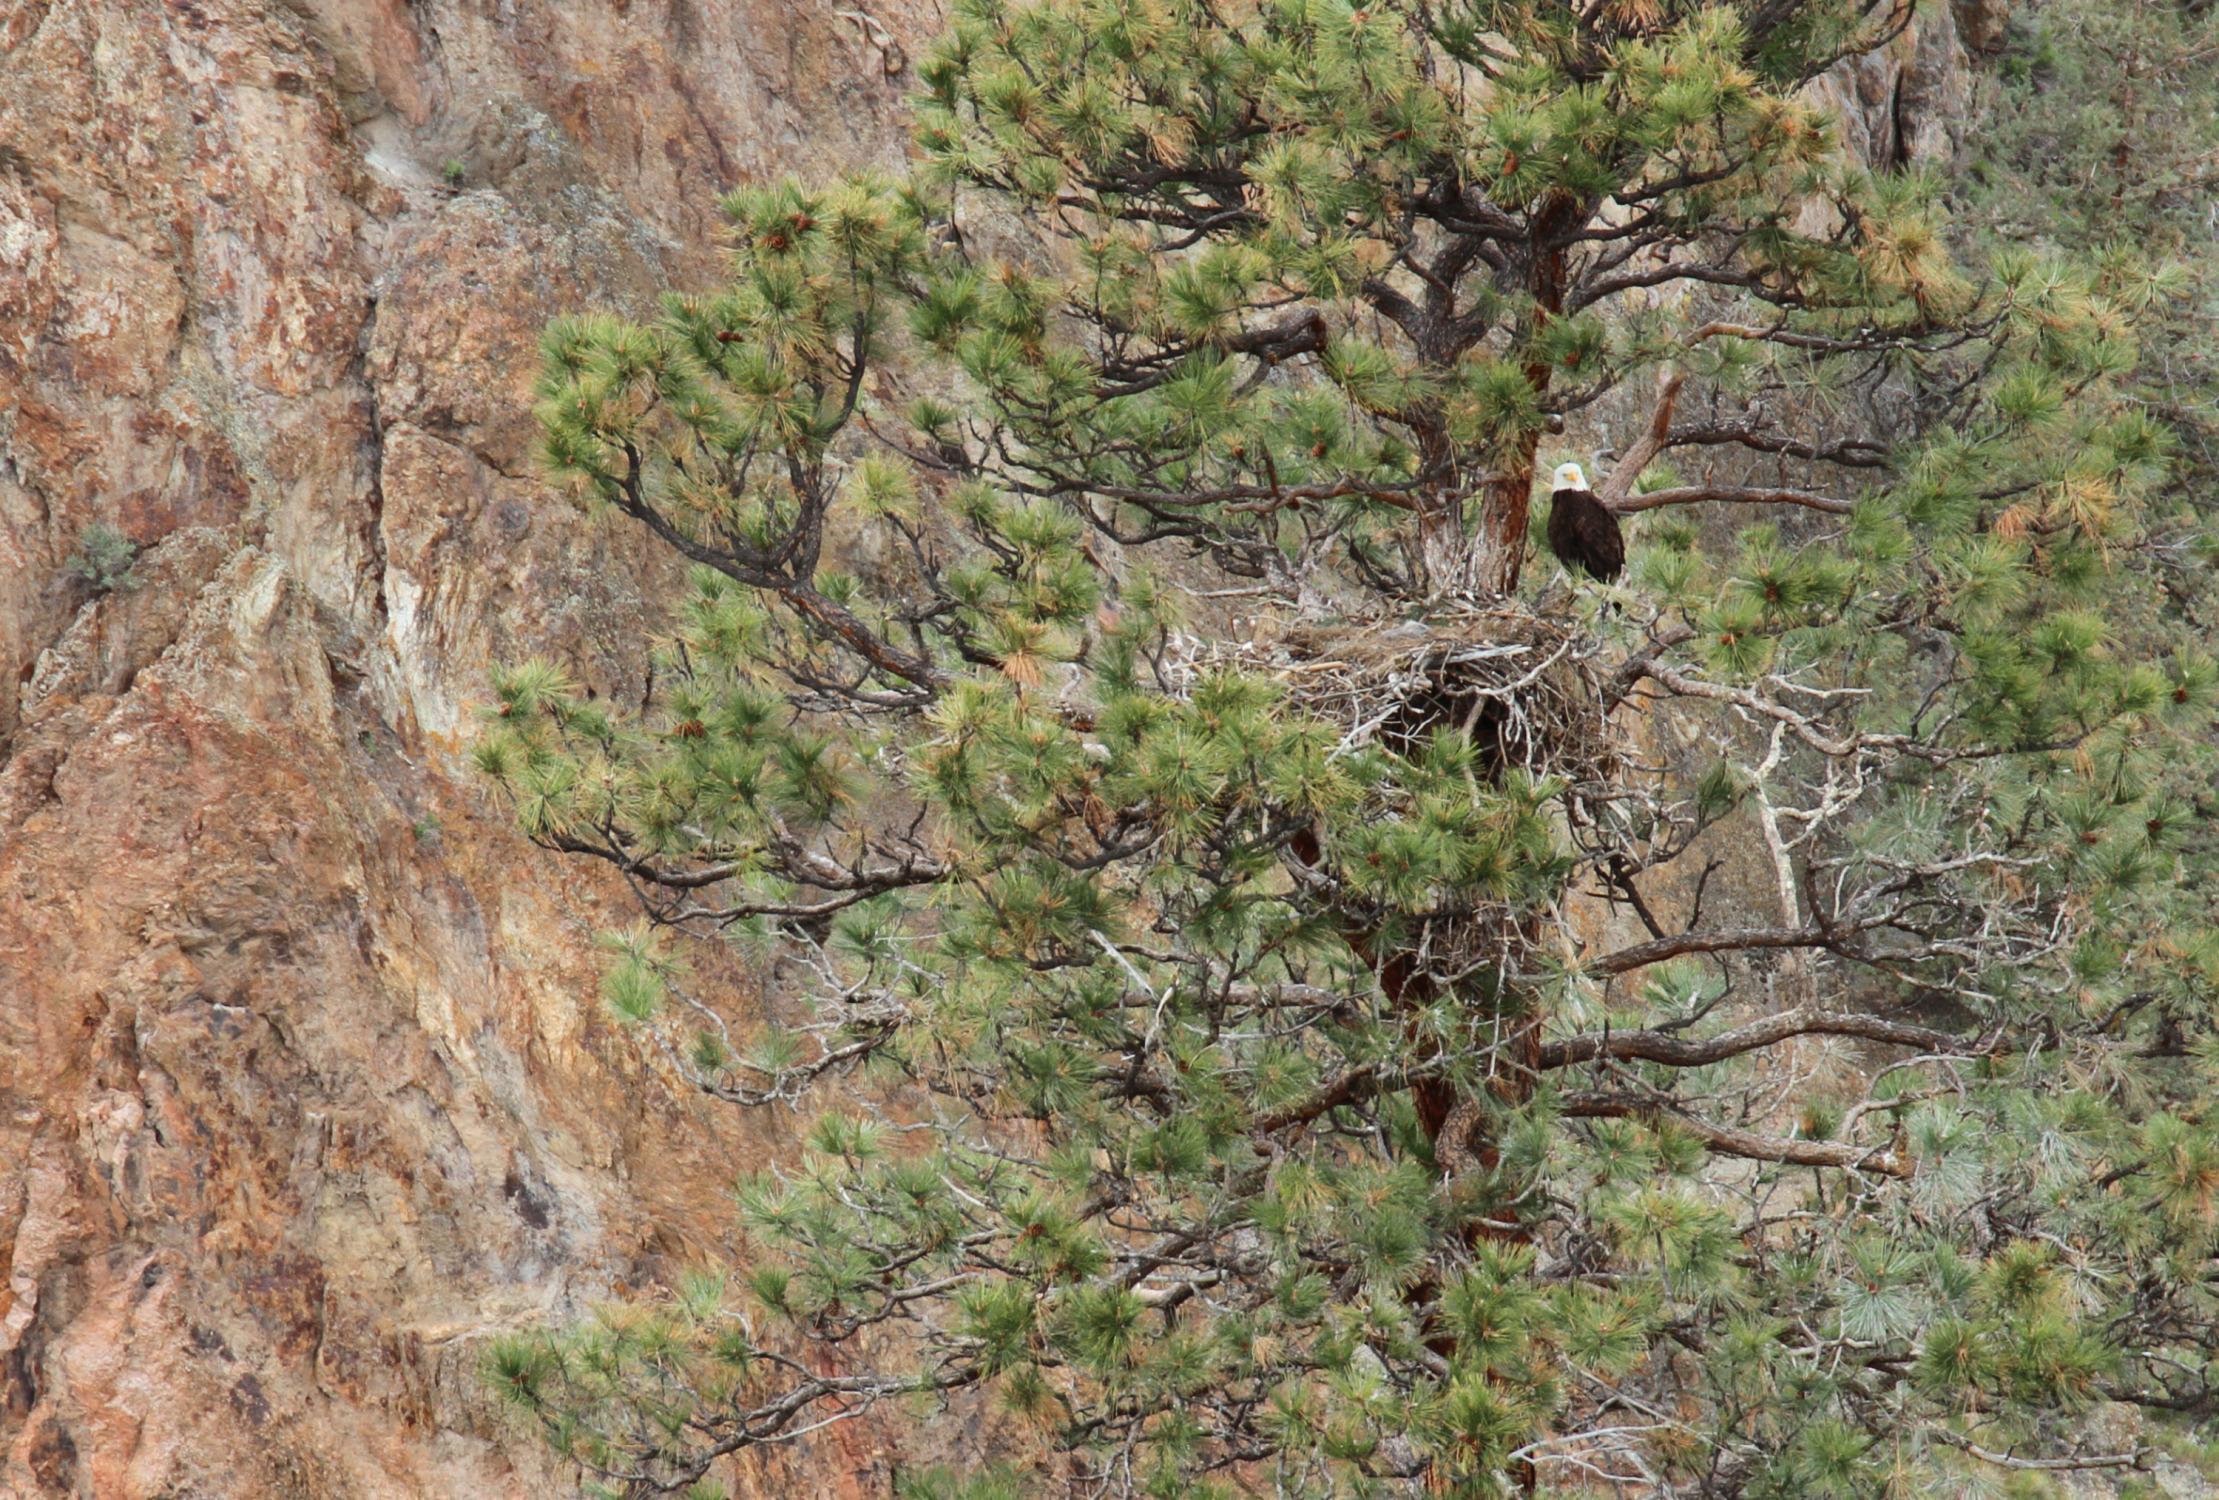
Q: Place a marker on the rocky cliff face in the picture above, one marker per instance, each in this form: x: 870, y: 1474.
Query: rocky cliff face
x: 303, y: 1090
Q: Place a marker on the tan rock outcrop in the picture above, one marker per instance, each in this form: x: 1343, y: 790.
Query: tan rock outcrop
x: 1910, y: 102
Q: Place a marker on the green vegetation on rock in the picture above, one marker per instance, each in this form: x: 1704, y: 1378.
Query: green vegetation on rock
x: 105, y: 559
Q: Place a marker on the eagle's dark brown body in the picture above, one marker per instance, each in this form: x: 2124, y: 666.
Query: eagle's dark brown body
x: 1584, y: 534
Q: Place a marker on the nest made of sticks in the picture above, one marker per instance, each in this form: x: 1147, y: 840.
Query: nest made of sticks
x: 1525, y: 687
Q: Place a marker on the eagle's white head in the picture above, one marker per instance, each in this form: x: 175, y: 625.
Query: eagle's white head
x: 1569, y: 477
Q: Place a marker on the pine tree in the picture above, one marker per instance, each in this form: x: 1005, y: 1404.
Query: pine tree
x: 1274, y: 1025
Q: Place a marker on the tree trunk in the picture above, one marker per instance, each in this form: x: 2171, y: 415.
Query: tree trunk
x: 1487, y: 558
x: 1498, y: 551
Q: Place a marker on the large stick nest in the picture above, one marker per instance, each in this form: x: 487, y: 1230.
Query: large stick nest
x: 1524, y: 686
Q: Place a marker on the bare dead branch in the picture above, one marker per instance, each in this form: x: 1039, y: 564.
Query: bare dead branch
x: 1649, y: 444
x: 1878, y: 1161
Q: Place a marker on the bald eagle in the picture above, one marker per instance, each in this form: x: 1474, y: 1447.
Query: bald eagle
x: 1582, y: 531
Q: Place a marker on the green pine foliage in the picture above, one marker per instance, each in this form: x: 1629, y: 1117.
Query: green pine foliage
x: 1321, y: 1062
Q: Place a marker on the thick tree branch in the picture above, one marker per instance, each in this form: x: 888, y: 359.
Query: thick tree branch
x: 1718, y: 940
x: 1732, y: 494
x: 1849, y: 453
x: 1804, y: 1020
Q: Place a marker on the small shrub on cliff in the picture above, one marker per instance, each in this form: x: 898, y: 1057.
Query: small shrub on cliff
x: 104, y: 559
x: 1316, y: 1055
